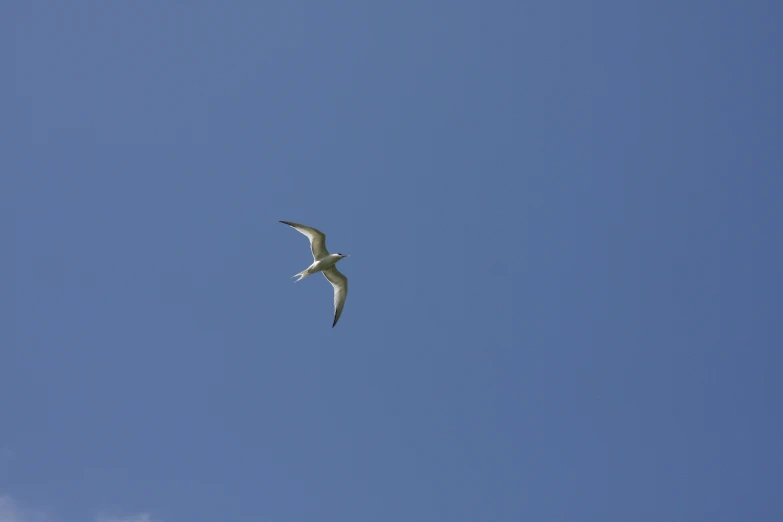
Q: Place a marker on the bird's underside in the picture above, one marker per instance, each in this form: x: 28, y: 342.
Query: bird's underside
x: 322, y: 262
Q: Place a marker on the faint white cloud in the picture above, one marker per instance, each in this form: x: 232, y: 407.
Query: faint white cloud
x: 141, y: 517
x: 11, y: 512
x: 8, y: 510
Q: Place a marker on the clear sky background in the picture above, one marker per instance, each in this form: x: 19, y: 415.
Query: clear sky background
x: 565, y: 290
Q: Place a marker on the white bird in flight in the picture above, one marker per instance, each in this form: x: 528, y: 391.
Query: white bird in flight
x: 324, y: 262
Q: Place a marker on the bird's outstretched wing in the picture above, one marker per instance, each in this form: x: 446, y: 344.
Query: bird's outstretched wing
x: 340, y: 284
x: 316, y: 237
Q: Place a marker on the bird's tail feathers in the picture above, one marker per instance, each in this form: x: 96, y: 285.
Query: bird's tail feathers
x: 301, y: 275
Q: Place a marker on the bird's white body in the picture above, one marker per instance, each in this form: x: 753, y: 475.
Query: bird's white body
x: 320, y: 265
x: 323, y: 262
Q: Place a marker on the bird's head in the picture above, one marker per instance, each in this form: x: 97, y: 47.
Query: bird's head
x: 342, y: 255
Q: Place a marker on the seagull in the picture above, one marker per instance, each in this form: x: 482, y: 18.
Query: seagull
x: 323, y: 262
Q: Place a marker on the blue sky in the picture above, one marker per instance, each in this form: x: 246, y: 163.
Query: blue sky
x: 564, y: 220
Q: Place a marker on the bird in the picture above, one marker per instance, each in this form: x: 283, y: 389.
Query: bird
x: 325, y: 263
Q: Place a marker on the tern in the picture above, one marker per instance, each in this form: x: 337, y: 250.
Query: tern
x: 323, y: 262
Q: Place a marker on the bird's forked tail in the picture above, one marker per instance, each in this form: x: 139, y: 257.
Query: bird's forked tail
x: 301, y: 275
